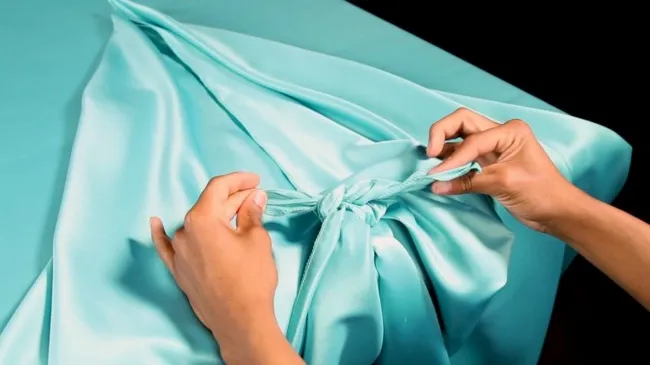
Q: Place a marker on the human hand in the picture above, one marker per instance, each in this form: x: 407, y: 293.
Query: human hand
x: 516, y: 169
x: 228, y: 275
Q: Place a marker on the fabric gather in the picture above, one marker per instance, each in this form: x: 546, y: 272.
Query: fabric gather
x: 367, y: 199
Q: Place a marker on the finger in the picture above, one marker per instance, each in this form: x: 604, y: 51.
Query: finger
x: 448, y: 149
x: 234, y: 202
x: 492, y: 140
x: 250, y: 213
x: 481, y: 183
x: 219, y: 188
x: 462, y: 122
x: 163, y: 243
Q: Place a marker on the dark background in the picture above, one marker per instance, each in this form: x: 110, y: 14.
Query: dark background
x: 590, y: 66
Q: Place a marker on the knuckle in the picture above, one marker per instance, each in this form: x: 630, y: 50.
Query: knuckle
x: 462, y: 111
x: 214, y: 181
x: 190, y: 218
x: 433, y: 128
x: 437, y: 127
x: 468, y: 116
x: 518, y: 125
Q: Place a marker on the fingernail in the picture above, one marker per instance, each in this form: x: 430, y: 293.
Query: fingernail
x: 260, y: 198
x: 442, y: 187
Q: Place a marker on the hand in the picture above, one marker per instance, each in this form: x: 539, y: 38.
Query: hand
x: 516, y: 169
x: 228, y: 275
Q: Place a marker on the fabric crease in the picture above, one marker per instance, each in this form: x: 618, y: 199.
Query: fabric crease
x: 373, y: 267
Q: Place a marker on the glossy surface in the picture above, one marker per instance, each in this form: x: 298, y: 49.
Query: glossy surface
x: 172, y: 104
x: 49, y: 50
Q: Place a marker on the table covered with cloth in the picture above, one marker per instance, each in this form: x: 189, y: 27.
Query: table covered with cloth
x: 373, y: 267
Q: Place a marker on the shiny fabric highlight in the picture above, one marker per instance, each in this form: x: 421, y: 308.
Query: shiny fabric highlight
x: 373, y: 267
x: 368, y: 201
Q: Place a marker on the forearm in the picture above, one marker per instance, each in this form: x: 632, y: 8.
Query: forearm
x: 612, y: 240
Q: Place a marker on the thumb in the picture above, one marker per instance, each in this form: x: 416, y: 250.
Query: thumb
x: 163, y: 243
x: 469, y: 183
x: 249, y: 215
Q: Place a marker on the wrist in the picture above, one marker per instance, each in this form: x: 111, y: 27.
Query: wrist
x: 573, y: 209
x: 260, y: 342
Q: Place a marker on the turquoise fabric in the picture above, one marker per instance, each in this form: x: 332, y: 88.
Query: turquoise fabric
x: 171, y: 104
x: 362, y: 204
x: 49, y: 49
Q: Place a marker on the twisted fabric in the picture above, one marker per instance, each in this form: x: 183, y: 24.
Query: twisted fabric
x: 368, y: 200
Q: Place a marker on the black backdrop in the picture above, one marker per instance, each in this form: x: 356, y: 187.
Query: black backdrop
x: 590, y: 66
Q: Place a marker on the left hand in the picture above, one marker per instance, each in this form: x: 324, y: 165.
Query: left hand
x: 228, y: 275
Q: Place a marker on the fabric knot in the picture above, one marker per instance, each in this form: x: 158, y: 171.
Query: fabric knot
x: 357, y: 198
x: 331, y: 202
x: 368, y: 199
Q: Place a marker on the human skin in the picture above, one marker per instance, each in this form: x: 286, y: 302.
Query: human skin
x: 518, y: 173
x: 229, y: 275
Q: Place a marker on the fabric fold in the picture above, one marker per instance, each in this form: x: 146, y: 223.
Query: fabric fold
x: 368, y: 201
x: 373, y: 267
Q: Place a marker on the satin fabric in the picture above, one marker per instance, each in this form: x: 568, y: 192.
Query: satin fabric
x: 50, y: 50
x: 368, y: 200
x: 406, y: 277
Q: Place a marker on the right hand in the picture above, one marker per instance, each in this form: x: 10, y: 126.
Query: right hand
x: 516, y: 170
